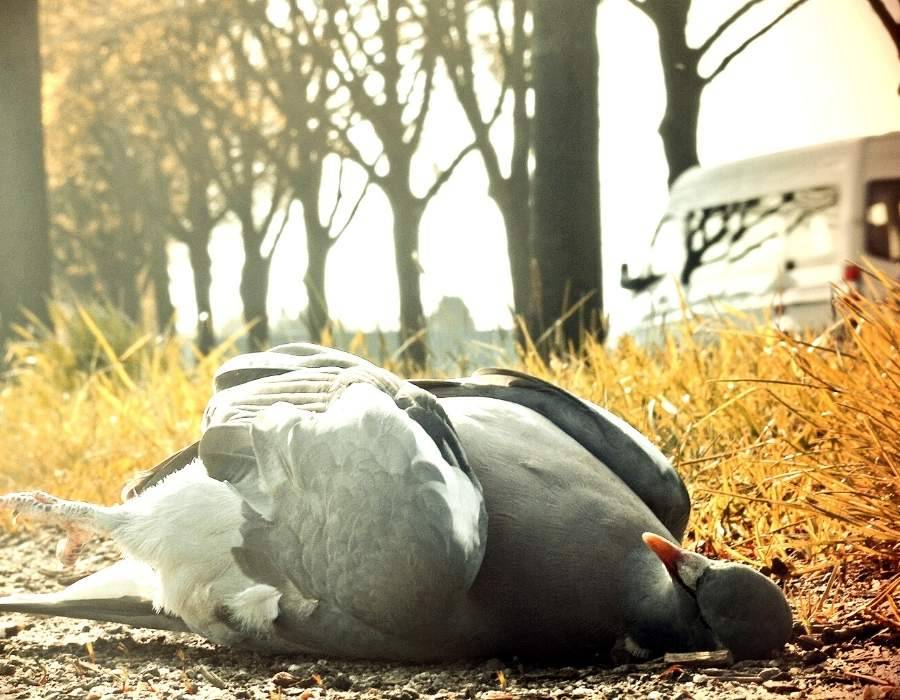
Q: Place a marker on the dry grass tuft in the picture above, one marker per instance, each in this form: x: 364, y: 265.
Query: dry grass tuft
x: 83, y: 407
x: 790, y: 445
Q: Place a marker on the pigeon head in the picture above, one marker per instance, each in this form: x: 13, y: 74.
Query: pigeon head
x: 745, y: 611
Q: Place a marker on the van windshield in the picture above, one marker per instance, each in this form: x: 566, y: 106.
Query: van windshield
x: 883, y: 219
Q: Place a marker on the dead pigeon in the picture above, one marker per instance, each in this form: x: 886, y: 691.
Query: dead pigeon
x: 332, y: 508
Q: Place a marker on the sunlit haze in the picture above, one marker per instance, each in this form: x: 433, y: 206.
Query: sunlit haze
x: 829, y: 71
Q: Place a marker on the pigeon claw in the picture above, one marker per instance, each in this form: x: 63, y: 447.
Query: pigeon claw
x: 36, y: 505
x: 69, y: 548
x: 41, y: 507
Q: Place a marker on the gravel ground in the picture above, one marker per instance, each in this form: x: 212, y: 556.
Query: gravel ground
x: 54, y: 658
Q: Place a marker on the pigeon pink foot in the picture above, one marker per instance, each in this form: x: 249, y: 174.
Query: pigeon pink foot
x: 74, y: 517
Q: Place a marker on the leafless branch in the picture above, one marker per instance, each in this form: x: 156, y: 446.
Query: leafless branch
x: 890, y: 24
x: 501, y: 36
x: 275, y: 205
x: 726, y: 25
x: 442, y: 178
x: 280, y: 232
x: 350, y: 78
x: 354, y: 154
x: 730, y: 57
x: 459, y: 56
x: 352, y: 214
x: 419, y: 123
x: 338, y: 195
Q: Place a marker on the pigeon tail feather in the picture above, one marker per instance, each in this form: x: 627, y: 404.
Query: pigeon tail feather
x: 122, y: 592
x: 128, y: 610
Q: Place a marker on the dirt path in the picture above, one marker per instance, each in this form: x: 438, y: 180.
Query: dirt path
x: 52, y: 658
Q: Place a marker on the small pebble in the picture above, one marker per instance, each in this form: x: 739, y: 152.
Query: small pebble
x: 805, y: 641
x: 283, y: 679
x: 341, y: 681
x: 813, y: 657
x: 11, y: 630
x: 768, y: 674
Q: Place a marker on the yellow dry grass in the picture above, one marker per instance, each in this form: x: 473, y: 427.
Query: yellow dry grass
x: 790, y: 445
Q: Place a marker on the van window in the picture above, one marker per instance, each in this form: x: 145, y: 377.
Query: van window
x: 883, y: 219
x: 812, y: 226
x: 753, y: 235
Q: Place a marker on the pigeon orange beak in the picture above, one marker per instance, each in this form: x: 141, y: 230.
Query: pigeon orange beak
x: 668, y: 553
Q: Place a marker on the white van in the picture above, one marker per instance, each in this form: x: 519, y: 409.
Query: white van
x: 771, y: 234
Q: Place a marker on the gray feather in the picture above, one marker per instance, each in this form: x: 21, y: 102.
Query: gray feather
x: 128, y: 610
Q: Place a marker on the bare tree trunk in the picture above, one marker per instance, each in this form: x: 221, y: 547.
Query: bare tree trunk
x: 447, y: 26
x: 129, y: 296
x: 566, y: 181
x: 318, y: 244
x: 513, y: 206
x: 684, y: 88
x: 24, y: 221
x: 159, y: 275
x: 407, y: 214
x: 202, y: 265
x: 680, y: 63
x: 254, y: 290
x: 117, y: 272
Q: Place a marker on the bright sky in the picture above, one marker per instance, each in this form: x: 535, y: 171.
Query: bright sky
x: 828, y: 72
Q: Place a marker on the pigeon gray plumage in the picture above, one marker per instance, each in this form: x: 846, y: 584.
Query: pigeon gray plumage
x: 333, y: 508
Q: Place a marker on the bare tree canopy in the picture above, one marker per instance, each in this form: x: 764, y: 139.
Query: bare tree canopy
x: 383, y: 67
x: 681, y: 69
x: 507, y: 46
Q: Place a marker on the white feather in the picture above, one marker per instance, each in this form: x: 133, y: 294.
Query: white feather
x: 255, y: 608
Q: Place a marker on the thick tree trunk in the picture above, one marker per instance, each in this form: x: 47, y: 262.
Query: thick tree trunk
x: 201, y: 263
x: 159, y: 275
x: 566, y: 182
x: 678, y: 128
x: 254, y: 290
x: 318, y: 243
x: 684, y: 88
x: 24, y: 224
x: 129, y: 296
x: 117, y: 272
x: 407, y: 215
x: 513, y: 206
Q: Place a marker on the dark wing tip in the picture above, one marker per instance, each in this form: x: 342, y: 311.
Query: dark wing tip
x: 144, y: 479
